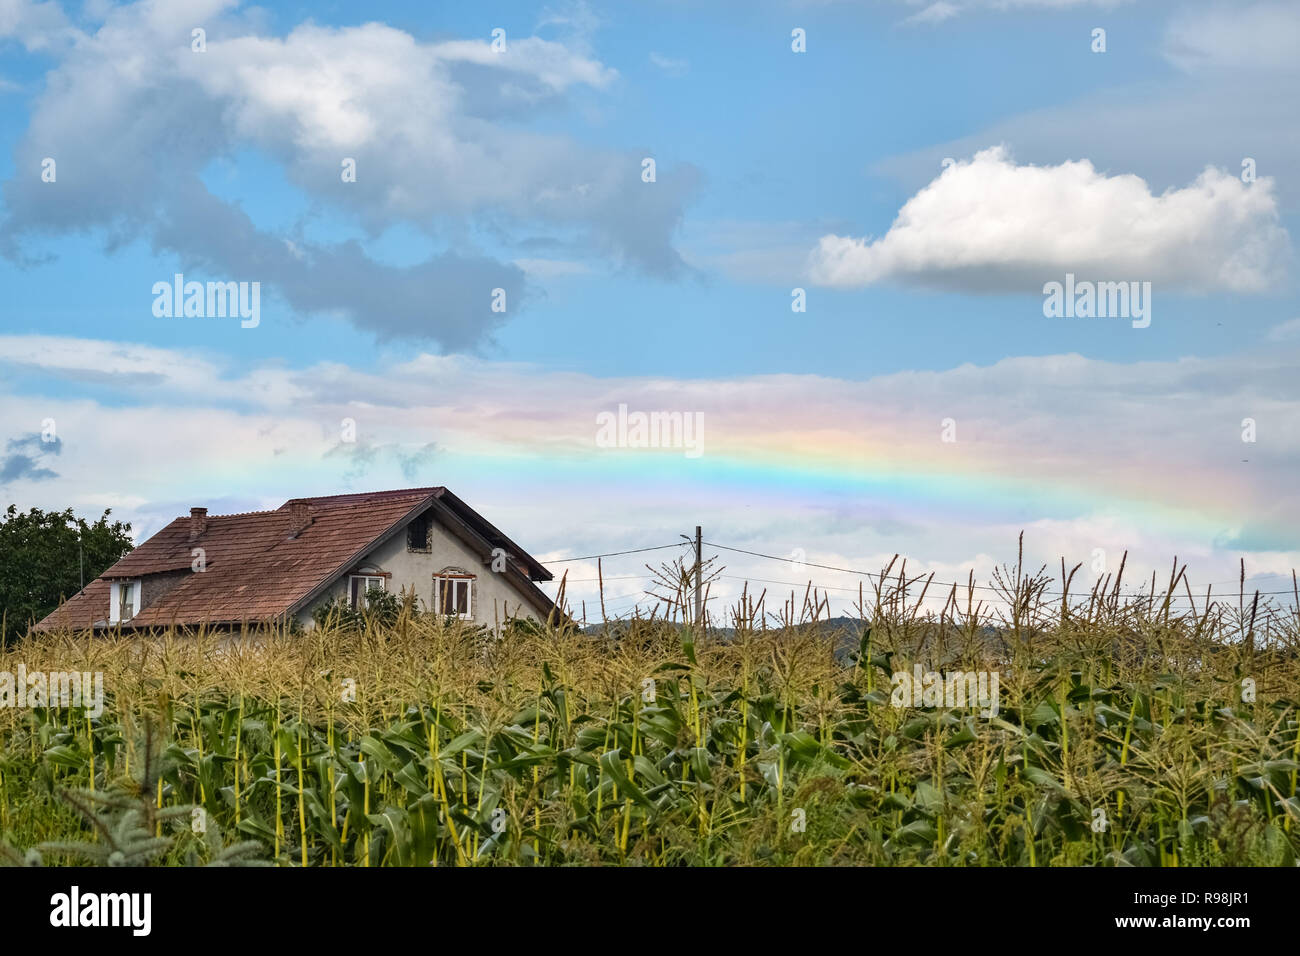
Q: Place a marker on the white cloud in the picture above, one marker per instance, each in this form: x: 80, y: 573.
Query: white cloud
x: 935, y: 13
x: 553, y: 64
x: 669, y: 65
x: 122, y: 364
x: 38, y: 26
x: 1165, y: 132
x: 990, y: 224
x: 1255, y: 37
x: 1285, y: 331
x: 938, y: 11
x: 438, y: 130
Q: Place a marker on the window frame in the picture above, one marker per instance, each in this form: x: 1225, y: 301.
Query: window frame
x: 126, y: 601
x: 356, y: 597
x: 127, y: 611
x: 454, y: 578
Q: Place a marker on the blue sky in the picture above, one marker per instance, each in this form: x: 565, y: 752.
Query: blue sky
x: 821, y: 170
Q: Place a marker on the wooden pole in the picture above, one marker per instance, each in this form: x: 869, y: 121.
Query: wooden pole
x: 699, y: 571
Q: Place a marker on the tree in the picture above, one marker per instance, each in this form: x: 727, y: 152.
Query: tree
x: 381, y: 608
x: 43, y: 555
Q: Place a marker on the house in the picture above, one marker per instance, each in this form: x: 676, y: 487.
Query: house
x: 279, y: 566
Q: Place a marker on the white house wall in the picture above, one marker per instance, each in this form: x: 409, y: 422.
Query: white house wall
x: 495, y: 599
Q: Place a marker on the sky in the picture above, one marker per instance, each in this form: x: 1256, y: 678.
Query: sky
x: 824, y: 234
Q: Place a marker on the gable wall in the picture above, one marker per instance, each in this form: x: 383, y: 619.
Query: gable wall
x: 495, y: 598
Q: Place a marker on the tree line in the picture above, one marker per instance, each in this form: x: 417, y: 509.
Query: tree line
x: 44, y: 557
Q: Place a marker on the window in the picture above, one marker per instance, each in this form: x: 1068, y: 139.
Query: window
x: 359, y: 584
x: 123, y: 601
x: 417, y: 534
x: 128, y: 601
x: 455, y: 595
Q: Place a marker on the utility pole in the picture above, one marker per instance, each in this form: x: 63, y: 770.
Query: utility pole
x: 699, y: 593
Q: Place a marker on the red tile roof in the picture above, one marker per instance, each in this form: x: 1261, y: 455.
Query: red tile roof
x: 256, y: 572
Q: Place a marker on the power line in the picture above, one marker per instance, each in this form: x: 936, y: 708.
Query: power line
x: 589, y: 557
x: 1000, y: 592
x: 612, y: 577
x: 877, y: 574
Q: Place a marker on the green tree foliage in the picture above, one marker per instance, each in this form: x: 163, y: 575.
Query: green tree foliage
x: 382, y: 608
x: 41, y: 560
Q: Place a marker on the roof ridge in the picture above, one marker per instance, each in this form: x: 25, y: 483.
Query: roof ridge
x: 396, y: 492
x: 391, y: 493
x: 234, y: 514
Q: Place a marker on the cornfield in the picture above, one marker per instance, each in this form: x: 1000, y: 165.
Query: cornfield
x: 1130, y: 731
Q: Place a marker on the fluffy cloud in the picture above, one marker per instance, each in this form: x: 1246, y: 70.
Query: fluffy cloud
x: 988, y: 224
x: 135, y: 117
x: 37, y: 26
